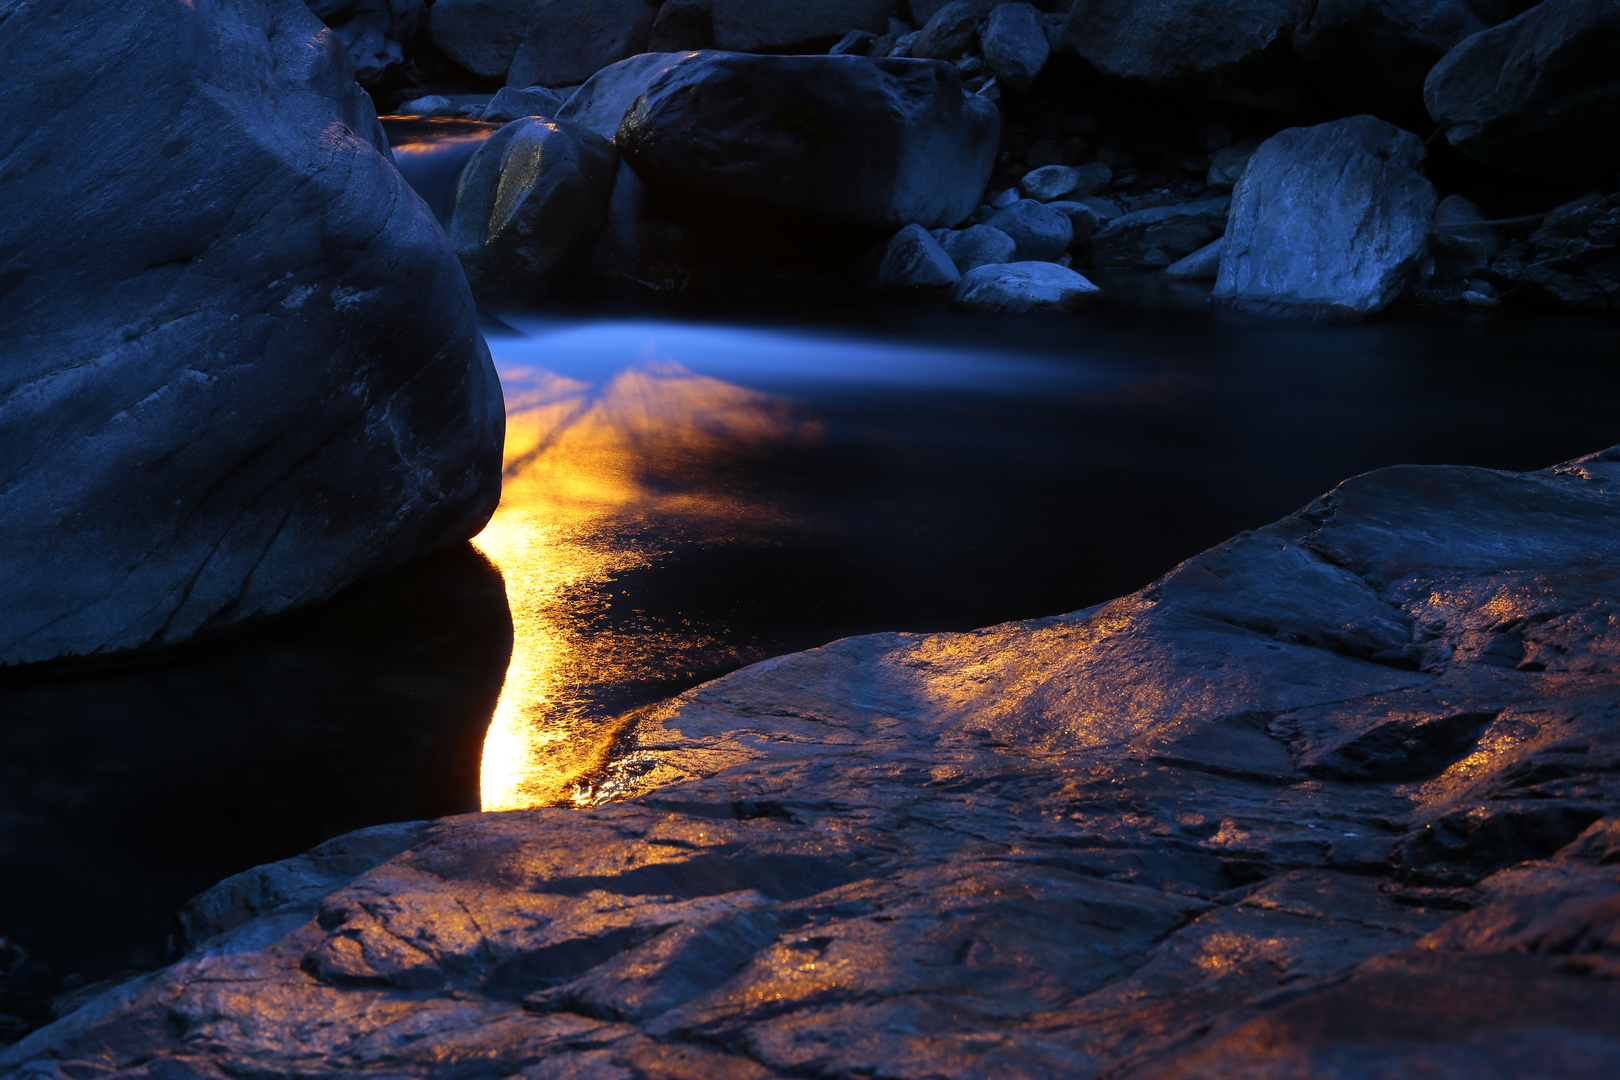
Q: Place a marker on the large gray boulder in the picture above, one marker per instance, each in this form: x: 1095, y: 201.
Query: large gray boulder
x: 767, y: 26
x: 480, y: 35
x: 1159, y: 235
x: 1373, y: 55
x: 1328, y: 220
x: 600, y: 104
x: 1539, y: 94
x: 528, y: 203
x: 1230, y: 50
x: 1014, y: 45
x: 239, y: 365
x: 879, y: 141
x: 376, y: 33
x: 568, y: 41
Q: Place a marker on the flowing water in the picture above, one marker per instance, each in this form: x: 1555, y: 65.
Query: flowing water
x: 688, y: 493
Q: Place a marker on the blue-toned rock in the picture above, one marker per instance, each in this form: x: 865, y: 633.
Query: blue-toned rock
x: 976, y: 246
x: 1159, y: 235
x: 1014, y: 45
x: 912, y: 259
x: 1021, y: 287
x: 1039, y: 231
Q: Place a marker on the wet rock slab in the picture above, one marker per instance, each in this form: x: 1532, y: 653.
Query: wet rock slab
x: 1333, y: 799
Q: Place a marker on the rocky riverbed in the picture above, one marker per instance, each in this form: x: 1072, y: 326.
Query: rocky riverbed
x: 1332, y: 799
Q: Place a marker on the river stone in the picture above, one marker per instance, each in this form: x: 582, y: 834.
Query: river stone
x: 376, y: 33
x: 854, y: 43
x: 1049, y: 182
x: 1341, y: 789
x: 1020, y: 287
x: 567, y: 41
x: 1227, y: 50
x: 1328, y: 220
x: 1226, y: 165
x: 976, y: 246
x: 764, y: 26
x: 1202, y: 265
x: 600, y: 104
x: 1539, y: 94
x: 480, y: 35
x: 877, y: 141
x: 1105, y: 210
x: 912, y: 259
x: 1159, y: 235
x: 1014, y: 45
x: 529, y: 202
x: 1373, y: 55
x: 1040, y: 232
x: 1083, y: 219
x: 1461, y: 248
x: 1573, y: 261
x: 242, y: 369
x: 949, y: 33
x: 512, y: 103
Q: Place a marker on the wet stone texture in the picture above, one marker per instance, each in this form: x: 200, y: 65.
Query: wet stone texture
x: 1334, y: 799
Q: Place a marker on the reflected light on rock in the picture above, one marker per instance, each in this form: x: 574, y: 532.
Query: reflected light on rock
x: 589, y: 468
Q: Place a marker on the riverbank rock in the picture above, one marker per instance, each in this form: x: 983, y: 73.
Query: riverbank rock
x: 1202, y: 265
x: 949, y: 33
x: 976, y: 246
x: 912, y: 259
x: 1014, y: 45
x: 1373, y: 55
x: 1536, y: 94
x: 1158, y: 236
x: 1462, y: 245
x: 1229, y: 50
x: 764, y: 26
x: 242, y: 369
x: 514, y: 104
x: 1338, y: 790
x: 1040, y: 232
x: 376, y: 33
x: 600, y: 104
x: 881, y: 142
x: 565, y: 42
x: 1020, y: 287
x: 480, y: 35
x: 1328, y: 220
x: 1573, y: 261
x: 528, y: 203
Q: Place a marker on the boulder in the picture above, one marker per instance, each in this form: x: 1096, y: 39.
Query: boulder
x: 876, y: 141
x: 976, y: 246
x: 1040, y: 232
x: 1226, y: 165
x: 949, y: 33
x: 514, y: 104
x: 1050, y: 182
x: 1105, y: 210
x: 528, y: 203
x: 1328, y: 220
x: 1372, y: 55
x: 242, y: 368
x: 567, y: 41
x: 1572, y: 261
x: 1083, y: 219
x: 1539, y: 94
x: 1227, y: 50
x: 1021, y: 287
x: 376, y: 33
x: 764, y: 26
x: 1014, y: 44
x: 1462, y: 247
x: 911, y: 259
x: 480, y: 35
x: 600, y: 104
x: 1091, y: 178
x: 1202, y: 265
x: 1159, y: 235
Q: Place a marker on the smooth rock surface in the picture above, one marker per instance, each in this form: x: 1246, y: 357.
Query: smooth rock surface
x: 877, y: 141
x: 1050, y: 182
x: 949, y: 32
x: 1571, y: 262
x: 1373, y: 55
x: 1202, y: 265
x: 1083, y: 218
x: 1019, y: 287
x: 976, y: 246
x: 376, y: 33
x: 529, y: 202
x: 512, y: 103
x: 1229, y: 50
x: 1159, y: 235
x: 1038, y: 231
x: 565, y: 42
x: 1331, y: 220
x: 480, y: 35
x: 1539, y: 94
x: 912, y: 259
x: 601, y: 102
x: 1226, y: 165
x: 1014, y: 44
x: 1336, y: 798
x: 241, y: 367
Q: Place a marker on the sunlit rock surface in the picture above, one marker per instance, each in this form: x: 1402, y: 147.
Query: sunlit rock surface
x: 1333, y: 799
x: 239, y: 367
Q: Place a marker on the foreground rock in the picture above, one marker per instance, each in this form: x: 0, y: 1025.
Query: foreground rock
x: 1019, y: 287
x: 242, y: 368
x: 1341, y: 790
x: 528, y: 203
x: 1538, y: 94
x: 912, y: 259
x: 882, y: 142
x: 600, y: 104
x: 1328, y: 220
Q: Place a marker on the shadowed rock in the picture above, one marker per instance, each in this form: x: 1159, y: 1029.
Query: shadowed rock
x: 565, y: 42
x: 241, y: 368
x: 376, y: 33
x: 480, y: 35
x: 1373, y: 55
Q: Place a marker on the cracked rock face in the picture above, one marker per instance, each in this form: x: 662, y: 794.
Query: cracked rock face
x: 1333, y: 799
x: 239, y: 364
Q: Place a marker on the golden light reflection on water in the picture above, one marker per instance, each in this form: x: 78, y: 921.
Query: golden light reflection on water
x: 595, y: 475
